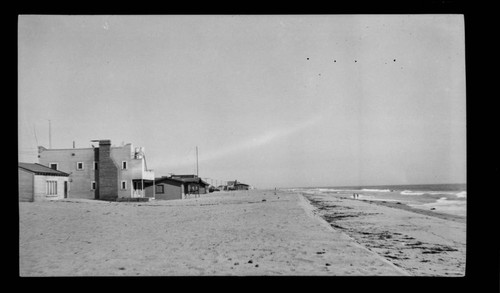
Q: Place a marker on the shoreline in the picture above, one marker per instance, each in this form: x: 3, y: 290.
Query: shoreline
x: 403, y: 206
x: 424, y: 243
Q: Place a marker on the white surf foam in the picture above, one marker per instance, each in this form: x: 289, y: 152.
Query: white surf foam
x: 409, y: 192
x: 376, y: 190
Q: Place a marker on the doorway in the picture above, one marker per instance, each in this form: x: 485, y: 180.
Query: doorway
x: 65, y: 189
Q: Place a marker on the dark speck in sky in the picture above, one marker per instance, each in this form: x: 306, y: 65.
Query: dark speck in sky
x: 355, y: 60
x: 307, y: 58
x: 394, y: 60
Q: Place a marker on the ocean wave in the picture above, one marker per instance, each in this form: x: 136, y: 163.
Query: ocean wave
x: 409, y: 192
x: 461, y: 194
x: 376, y: 190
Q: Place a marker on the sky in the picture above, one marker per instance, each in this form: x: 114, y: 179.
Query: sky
x: 268, y: 100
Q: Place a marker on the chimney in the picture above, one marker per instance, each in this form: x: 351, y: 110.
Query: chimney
x: 108, y: 172
x: 73, y: 144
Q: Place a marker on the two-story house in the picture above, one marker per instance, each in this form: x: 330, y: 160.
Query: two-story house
x: 105, y: 172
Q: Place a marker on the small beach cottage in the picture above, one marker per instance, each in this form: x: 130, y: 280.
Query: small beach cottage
x: 176, y: 187
x: 235, y: 185
x: 38, y: 183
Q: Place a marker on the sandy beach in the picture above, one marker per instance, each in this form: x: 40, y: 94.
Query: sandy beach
x: 245, y: 233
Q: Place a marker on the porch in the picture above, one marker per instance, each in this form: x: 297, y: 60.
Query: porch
x: 138, y: 187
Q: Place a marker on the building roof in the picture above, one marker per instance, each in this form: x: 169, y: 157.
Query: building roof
x: 184, y: 176
x: 181, y: 180
x: 242, y: 184
x: 41, y: 169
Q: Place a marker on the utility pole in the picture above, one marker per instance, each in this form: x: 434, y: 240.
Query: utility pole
x: 36, y: 139
x: 50, y: 136
x: 197, y: 175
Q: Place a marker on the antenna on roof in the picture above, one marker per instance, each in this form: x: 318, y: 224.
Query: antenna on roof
x: 50, y: 136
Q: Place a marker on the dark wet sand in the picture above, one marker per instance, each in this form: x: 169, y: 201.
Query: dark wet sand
x: 423, y: 243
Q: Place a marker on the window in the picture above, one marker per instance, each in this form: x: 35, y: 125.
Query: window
x: 93, y: 185
x: 53, y: 166
x: 51, y: 187
x: 96, y: 165
x: 124, y: 165
x: 79, y: 166
x: 124, y: 184
x: 159, y: 189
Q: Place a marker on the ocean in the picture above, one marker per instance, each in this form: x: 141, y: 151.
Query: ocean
x: 445, y: 198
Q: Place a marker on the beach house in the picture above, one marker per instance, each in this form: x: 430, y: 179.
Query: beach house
x: 165, y: 188
x: 104, y: 172
x: 193, y: 184
x: 235, y: 185
x: 38, y: 183
x: 176, y: 187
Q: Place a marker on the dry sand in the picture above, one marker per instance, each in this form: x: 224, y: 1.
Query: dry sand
x: 233, y: 233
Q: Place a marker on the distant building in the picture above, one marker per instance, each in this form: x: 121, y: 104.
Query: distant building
x: 241, y: 186
x: 104, y: 172
x: 193, y: 184
x: 235, y: 185
x: 176, y: 187
x: 38, y: 183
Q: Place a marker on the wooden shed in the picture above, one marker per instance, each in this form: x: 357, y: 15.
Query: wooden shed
x: 38, y: 182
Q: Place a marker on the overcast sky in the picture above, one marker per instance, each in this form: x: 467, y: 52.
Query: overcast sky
x: 285, y: 101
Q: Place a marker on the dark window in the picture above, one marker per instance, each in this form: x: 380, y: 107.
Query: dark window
x: 53, y: 166
x: 79, y: 166
x: 159, y: 189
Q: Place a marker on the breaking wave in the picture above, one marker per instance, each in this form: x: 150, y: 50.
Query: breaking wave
x: 409, y: 192
x: 376, y: 190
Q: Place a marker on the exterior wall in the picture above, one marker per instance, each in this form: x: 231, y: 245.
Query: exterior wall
x: 241, y: 187
x: 119, y: 154
x: 26, y: 187
x: 136, y: 169
x: 40, y: 187
x: 170, y: 192
x: 79, y: 180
